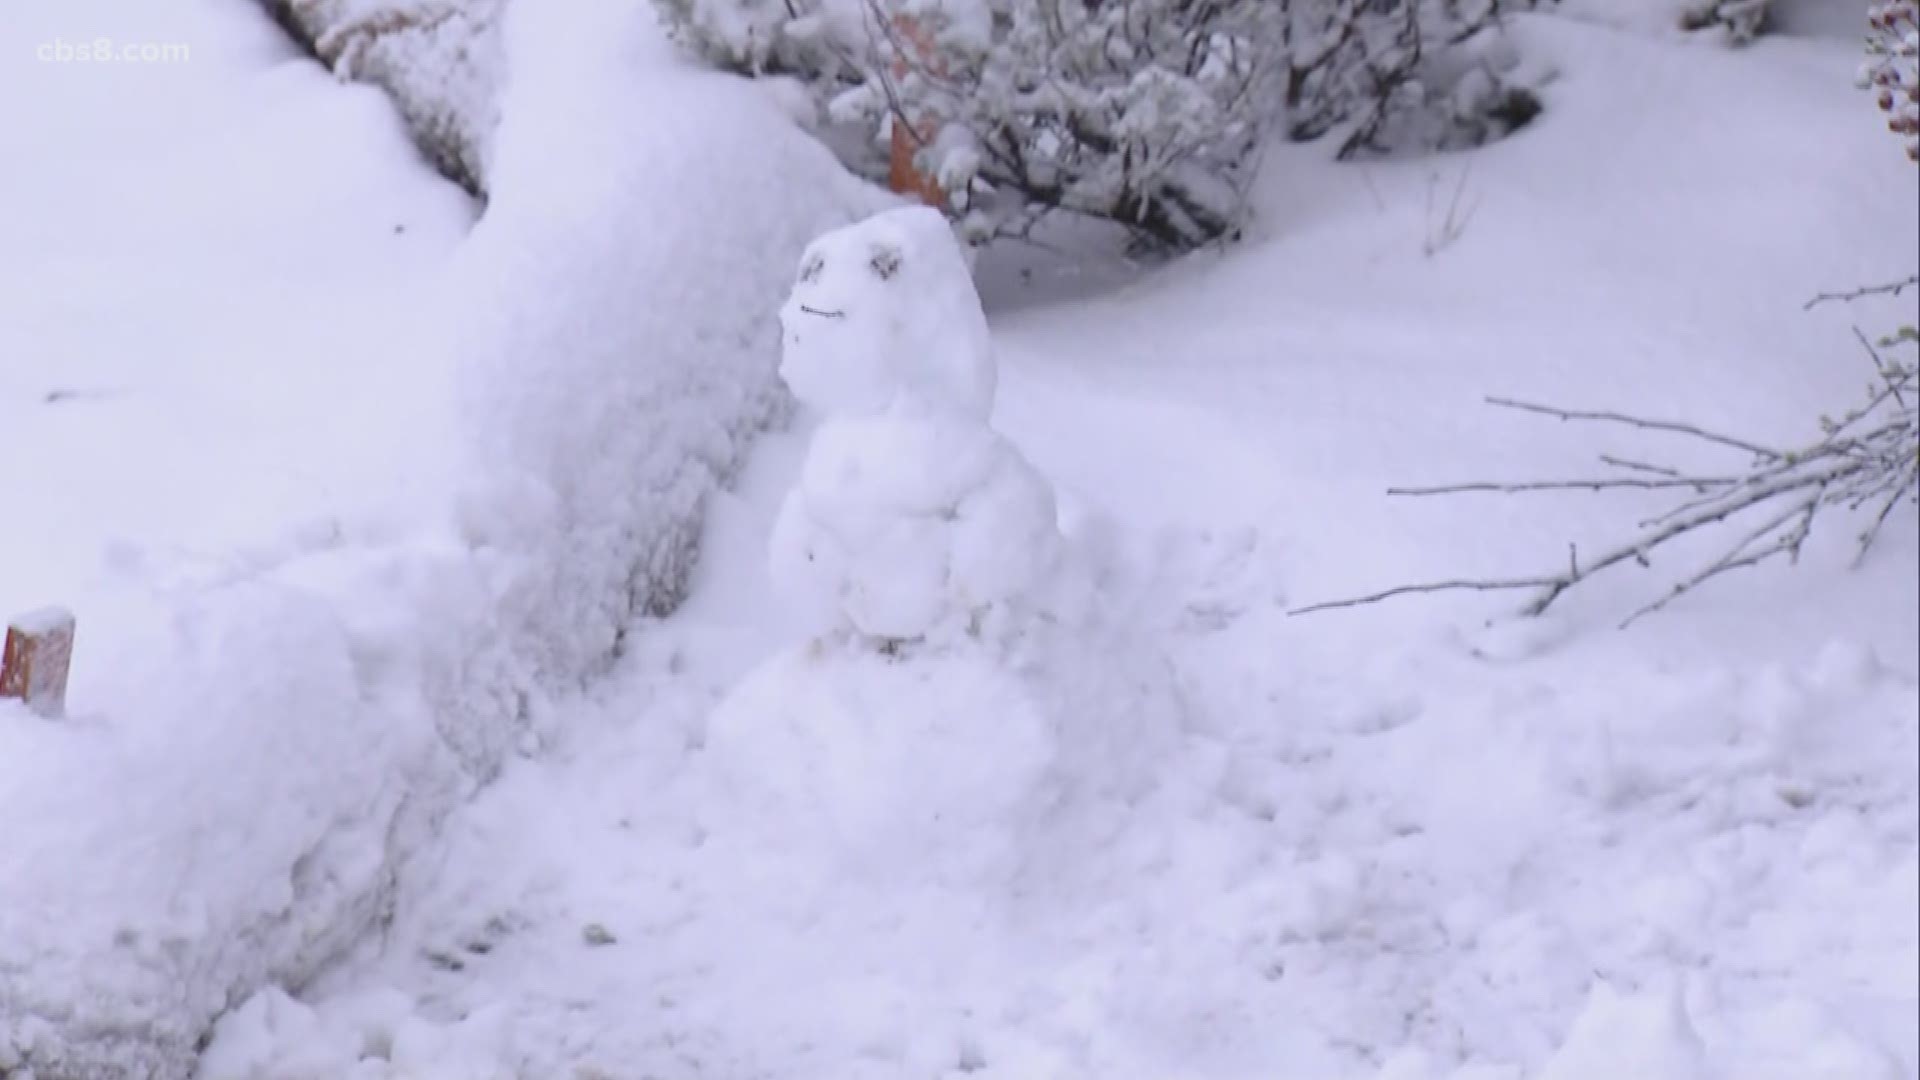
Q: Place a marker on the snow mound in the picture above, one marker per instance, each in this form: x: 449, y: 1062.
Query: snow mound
x: 967, y: 765
x: 373, y: 1035
x: 931, y: 769
x: 1642, y: 1035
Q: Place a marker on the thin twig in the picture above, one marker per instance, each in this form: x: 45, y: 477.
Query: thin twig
x: 1675, y: 426
x: 1891, y: 288
x: 1597, y: 484
x: 1870, y: 465
x: 1638, y: 466
x: 1435, y: 586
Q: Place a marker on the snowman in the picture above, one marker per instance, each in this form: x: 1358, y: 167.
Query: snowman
x: 957, y: 719
x: 912, y: 519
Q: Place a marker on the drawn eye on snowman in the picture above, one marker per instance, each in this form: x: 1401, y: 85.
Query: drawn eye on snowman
x: 884, y: 259
x: 811, y: 267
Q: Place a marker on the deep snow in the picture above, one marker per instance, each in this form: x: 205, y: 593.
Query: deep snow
x: 1392, y: 843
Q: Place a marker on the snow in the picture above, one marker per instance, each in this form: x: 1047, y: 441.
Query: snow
x: 385, y: 761
x: 193, y: 339
x: 41, y: 621
x: 314, y: 489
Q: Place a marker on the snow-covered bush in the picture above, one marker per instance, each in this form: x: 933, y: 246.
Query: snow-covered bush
x: 1405, y: 73
x: 1743, y: 20
x: 440, y: 60
x: 1892, y: 70
x: 1147, y: 113
x: 607, y: 394
x: 1735, y: 22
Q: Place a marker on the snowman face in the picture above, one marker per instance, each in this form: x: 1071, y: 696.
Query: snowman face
x: 834, y: 347
x: 884, y: 310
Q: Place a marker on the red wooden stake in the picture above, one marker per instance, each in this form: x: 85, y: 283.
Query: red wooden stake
x: 903, y: 175
x: 34, y: 665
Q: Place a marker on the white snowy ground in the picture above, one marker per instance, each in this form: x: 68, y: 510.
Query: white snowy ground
x: 1393, y: 844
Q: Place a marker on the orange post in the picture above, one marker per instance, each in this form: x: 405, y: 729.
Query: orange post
x: 903, y: 174
x: 33, y: 666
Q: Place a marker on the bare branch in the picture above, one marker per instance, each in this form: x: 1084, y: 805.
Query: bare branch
x: 1855, y: 464
x: 1436, y: 586
x: 1638, y: 466
x: 1597, y: 484
x: 1675, y: 426
x: 1788, y: 543
x: 1891, y: 288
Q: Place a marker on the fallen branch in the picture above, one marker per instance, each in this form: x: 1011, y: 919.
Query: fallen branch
x: 1869, y: 457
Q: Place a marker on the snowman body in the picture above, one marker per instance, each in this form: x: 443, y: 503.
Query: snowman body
x: 912, y: 517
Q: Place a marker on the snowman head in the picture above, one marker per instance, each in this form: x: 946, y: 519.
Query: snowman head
x: 884, y: 313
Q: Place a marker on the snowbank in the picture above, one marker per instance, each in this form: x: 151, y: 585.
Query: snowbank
x: 329, y: 565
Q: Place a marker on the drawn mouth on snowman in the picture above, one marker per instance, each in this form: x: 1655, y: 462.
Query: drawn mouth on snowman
x: 823, y: 314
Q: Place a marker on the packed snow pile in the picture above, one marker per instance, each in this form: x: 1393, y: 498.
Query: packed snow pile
x: 912, y: 516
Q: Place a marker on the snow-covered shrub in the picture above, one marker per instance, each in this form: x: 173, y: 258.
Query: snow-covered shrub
x: 1743, y: 20
x: 440, y: 60
x: 1146, y: 113
x: 1404, y: 73
x: 1892, y: 69
x: 1734, y: 21
x: 607, y: 394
